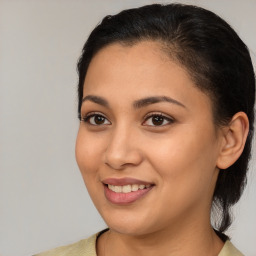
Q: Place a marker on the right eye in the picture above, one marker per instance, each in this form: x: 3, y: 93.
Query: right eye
x: 95, y: 119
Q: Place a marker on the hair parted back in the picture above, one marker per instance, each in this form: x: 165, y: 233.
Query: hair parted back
x: 217, y: 60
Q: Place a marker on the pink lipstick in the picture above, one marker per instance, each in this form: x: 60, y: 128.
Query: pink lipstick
x: 125, y: 190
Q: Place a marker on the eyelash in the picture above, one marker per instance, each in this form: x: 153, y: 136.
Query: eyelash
x: 170, y: 120
x: 87, y: 118
x: 161, y: 115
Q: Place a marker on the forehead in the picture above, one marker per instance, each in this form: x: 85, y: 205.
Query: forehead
x: 132, y: 64
x: 141, y: 70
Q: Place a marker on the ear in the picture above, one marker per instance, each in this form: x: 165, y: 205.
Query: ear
x: 234, y: 138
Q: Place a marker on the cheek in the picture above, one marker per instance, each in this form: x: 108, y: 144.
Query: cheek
x: 186, y: 176
x: 88, y: 153
x: 187, y: 156
x: 88, y: 157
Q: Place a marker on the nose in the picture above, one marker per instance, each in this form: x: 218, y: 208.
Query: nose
x: 123, y: 149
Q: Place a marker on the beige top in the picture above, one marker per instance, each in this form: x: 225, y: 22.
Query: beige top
x: 87, y: 247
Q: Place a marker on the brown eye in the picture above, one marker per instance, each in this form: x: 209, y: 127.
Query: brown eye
x: 158, y: 120
x: 96, y: 119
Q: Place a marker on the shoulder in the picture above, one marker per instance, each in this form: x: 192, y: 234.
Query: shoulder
x: 229, y: 250
x: 85, y: 247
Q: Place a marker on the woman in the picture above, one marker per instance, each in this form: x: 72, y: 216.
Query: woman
x: 166, y: 96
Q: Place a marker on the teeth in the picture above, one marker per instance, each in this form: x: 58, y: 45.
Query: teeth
x: 127, y: 188
x: 117, y: 189
x: 135, y: 187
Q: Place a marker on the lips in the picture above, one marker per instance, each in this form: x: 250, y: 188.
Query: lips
x: 125, y: 181
x: 125, y: 190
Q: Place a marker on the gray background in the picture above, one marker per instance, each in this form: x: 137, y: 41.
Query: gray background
x: 43, y: 202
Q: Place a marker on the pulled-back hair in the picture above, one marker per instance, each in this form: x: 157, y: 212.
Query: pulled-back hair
x: 216, y: 59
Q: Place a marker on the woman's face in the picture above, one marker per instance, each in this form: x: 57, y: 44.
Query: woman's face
x: 147, y: 147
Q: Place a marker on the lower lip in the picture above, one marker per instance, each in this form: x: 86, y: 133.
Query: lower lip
x: 125, y: 198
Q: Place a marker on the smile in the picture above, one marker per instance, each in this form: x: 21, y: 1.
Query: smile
x: 127, y: 188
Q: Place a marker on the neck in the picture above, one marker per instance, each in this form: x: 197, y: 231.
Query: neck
x: 176, y: 241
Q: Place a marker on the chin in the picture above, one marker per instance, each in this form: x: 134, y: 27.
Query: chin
x: 129, y: 225
x: 129, y: 230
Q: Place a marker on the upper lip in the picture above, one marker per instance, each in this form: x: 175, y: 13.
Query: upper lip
x: 125, y: 181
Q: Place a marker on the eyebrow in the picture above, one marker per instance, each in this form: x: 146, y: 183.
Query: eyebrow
x: 96, y: 99
x: 156, y: 99
x: 137, y: 104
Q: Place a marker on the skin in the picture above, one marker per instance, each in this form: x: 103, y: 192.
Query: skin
x: 180, y: 157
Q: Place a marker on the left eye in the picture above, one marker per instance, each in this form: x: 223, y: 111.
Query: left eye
x: 158, y: 120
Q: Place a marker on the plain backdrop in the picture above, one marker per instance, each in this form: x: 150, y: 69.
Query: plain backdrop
x: 43, y: 201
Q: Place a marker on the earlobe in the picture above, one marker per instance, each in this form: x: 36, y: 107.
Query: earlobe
x: 234, y: 138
